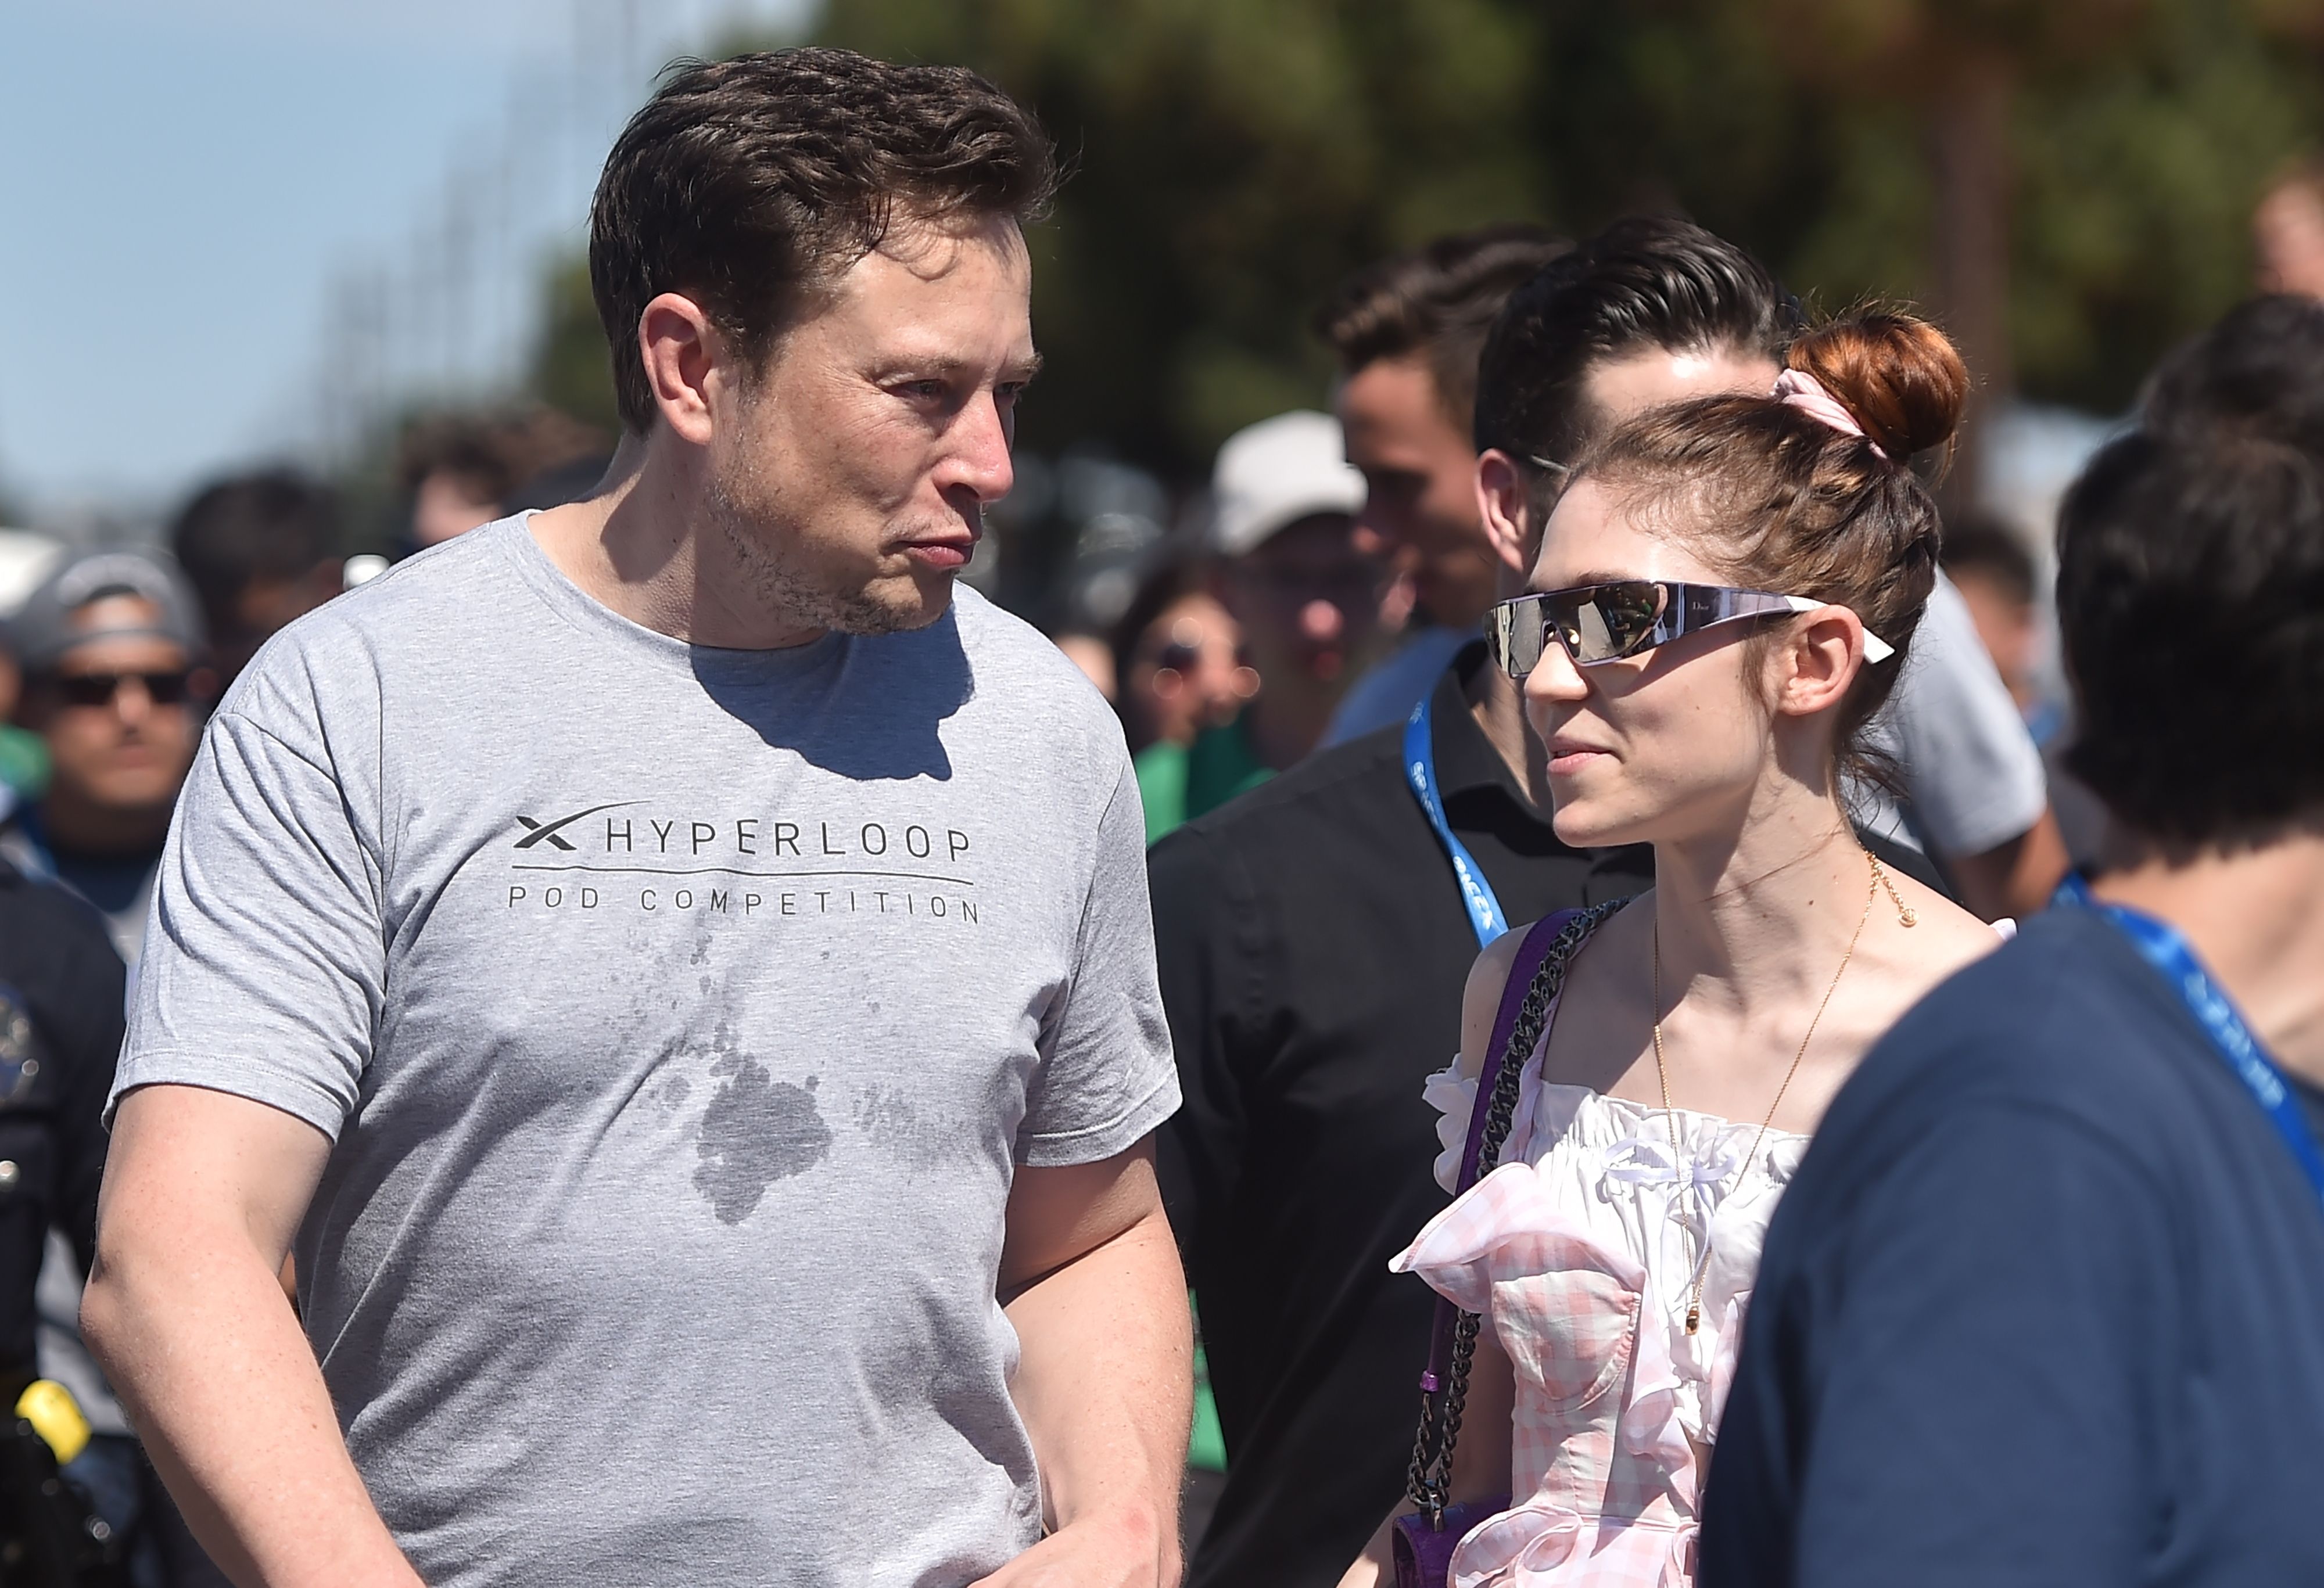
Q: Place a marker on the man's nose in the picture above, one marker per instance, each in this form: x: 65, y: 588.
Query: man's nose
x: 132, y: 704
x: 1322, y: 621
x: 981, y: 442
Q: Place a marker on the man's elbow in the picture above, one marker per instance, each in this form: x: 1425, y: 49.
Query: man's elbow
x: 152, y: 1265
x: 104, y: 1319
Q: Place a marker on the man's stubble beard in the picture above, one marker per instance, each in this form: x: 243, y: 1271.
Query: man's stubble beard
x: 764, y: 540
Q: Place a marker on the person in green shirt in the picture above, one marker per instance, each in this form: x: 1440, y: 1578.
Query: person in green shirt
x: 1303, y: 597
x: 1179, y: 659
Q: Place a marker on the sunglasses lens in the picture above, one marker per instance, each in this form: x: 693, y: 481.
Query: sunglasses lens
x: 1615, y: 620
x: 97, y: 689
x: 1515, y: 632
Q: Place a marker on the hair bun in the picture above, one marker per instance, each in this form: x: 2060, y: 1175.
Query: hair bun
x: 1898, y: 376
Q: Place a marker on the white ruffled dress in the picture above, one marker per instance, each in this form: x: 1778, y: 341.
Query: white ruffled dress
x: 1581, y: 1254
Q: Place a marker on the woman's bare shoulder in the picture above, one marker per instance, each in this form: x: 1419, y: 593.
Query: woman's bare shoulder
x: 1944, y: 939
x: 1480, y: 998
x: 1488, y: 977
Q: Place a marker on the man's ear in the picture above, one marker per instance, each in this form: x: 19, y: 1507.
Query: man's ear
x: 1502, y: 506
x: 681, y: 350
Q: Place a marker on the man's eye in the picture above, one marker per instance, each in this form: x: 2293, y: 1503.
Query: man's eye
x: 1008, y: 391
x: 920, y: 391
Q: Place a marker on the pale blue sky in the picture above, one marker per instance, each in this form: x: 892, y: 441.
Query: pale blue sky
x: 179, y: 181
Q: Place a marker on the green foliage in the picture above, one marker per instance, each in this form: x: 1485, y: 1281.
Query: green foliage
x: 572, y: 371
x: 1233, y: 159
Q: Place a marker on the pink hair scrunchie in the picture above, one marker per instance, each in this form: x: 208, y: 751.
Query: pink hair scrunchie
x: 1798, y: 389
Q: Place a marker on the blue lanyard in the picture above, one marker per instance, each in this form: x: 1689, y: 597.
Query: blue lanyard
x: 2161, y: 945
x: 1420, y: 771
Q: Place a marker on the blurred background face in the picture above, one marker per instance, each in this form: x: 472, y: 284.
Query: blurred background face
x: 1654, y: 748
x: 1308, y: 601
x: 1186, y: 672
x: 2288, y: 237
x: 2010, y: 625
x: 448, y: 504
x: 1420, y: 502
x: 118, y: 715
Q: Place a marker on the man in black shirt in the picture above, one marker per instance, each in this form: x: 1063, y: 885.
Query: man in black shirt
x: 1314, y: 945
x: 61, y: 1020
x: 61, y: 1025
x: 1313, y: 942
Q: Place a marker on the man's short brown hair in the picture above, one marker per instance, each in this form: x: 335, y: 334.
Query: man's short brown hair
x: 1436, y: 303
x: 750, y: 184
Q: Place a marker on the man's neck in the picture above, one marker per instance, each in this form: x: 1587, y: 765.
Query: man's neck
x: 1498, y: 705
x: 643, y: 545
x: 1286, y: 721
x: 100, y: 832
x: 2256, y: 919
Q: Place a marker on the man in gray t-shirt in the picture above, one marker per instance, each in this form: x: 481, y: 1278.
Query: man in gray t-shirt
x: 677, y: 980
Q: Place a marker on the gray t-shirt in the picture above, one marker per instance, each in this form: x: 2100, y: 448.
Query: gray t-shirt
x: 679, y: 1016
x: 1972, y: 773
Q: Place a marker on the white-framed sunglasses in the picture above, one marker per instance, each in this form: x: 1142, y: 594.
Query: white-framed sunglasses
x: 1606, y: 622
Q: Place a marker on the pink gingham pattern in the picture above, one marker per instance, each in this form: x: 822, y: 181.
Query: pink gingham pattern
x: 1579, y: 1252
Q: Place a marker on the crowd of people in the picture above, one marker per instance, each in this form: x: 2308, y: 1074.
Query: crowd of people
x: 1564, y: 1002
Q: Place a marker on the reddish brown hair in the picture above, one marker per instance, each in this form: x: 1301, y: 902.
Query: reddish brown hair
x: 1777, y: 500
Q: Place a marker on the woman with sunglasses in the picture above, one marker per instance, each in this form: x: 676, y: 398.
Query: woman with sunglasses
x: 1725, y: 595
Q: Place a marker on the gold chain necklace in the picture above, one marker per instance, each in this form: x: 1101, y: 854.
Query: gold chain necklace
x: 1905, y: 914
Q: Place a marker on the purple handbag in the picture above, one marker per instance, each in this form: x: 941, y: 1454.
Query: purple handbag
x: 1424, y: 1541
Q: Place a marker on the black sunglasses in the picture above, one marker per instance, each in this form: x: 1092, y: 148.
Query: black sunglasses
x: 1606, y: 622
x: 97, y: 689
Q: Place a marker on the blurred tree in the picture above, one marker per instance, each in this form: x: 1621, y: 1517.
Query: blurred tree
x: 571, y: 372
x: 2068, y: 180
x: 1231, y: 160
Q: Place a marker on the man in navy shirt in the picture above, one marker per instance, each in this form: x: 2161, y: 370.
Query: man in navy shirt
x: 2045, y: 1302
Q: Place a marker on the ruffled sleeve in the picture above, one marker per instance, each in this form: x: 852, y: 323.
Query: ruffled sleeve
x: 1454, y: 1096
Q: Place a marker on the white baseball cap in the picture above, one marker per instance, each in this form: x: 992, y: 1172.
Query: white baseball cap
x: 1275, y: 472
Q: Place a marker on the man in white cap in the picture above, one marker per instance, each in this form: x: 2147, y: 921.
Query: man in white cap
x: 1307, y: 595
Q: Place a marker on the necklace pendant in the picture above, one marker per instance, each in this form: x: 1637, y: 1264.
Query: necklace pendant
x: 1694, y: 1316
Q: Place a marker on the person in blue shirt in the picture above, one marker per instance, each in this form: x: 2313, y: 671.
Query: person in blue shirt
x: 2042, y: 1304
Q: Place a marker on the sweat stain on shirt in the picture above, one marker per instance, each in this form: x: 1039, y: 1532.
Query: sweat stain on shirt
x: 755, y: 1131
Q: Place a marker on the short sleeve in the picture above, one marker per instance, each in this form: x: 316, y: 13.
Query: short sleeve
x: 1106, y: 1077
x: 265, y: 956
x: 1971, y: 766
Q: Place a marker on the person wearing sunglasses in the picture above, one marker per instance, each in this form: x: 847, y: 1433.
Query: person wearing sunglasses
x: 1725, y: 592
x: 113, y: 650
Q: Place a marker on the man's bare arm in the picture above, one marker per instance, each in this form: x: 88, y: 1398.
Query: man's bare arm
x: 1091, y: 1278
x: 185, y: 1311
x: 2014, y: 879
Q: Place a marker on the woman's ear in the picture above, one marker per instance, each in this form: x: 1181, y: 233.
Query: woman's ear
x: 1501, y: 504
x: 1818, y: 661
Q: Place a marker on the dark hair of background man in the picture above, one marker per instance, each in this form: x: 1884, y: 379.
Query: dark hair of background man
x: 2191, y: 590
x: 750, y: 184
x: 1652, y: 282
x: 2259, y: 371
x: 1978, y: 543
x: 274, y: 527
x: 1436, y: 303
